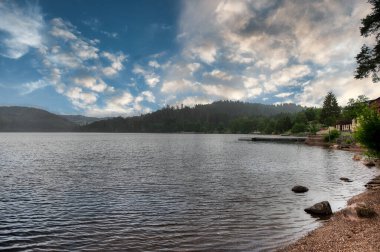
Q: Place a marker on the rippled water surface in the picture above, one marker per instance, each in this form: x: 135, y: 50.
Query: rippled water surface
x: 168, y: 192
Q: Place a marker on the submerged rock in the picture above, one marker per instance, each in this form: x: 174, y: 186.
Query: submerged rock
x: 321, y: 208
x: 357, y: 157
x: 369, y: 163
x: 300, y: 189
x: 345, y: 179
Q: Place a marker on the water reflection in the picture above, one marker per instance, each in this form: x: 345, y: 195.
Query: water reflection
x: 152, y: 192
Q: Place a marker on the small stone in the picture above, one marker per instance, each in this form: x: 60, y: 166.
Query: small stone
x: 364, y: 211
x: 345, y: 179
x: 357, y: 157
x: 321, y: 208
x: 300, y: 189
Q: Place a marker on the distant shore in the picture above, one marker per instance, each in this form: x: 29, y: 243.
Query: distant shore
x: 345, y: 231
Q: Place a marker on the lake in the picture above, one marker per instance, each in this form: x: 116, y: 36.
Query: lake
x: 164, y: 192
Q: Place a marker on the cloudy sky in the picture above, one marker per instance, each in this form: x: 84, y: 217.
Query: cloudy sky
x: 107, y: 58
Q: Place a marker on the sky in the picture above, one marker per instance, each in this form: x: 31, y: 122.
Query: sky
x: 124, y: 58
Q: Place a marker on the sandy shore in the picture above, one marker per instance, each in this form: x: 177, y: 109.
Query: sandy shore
x: 345, y: 231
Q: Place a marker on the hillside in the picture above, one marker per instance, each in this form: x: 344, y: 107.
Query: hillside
x: 82, y: 120
x: 215, y: 117
x: 19, y: 119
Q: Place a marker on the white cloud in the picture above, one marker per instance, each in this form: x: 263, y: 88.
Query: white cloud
x: 283, y: 95
x: 148, y: 95
x: 30, y: 87
x: 287, y: 76
x: 22, y: 29
x: 176, y: 86
x: 151, y: 79
x: 154, y: 64
x: 191, y: 101
x: 92, y: 83
x: 116, y: 63
x: 224, y: 92
x: 218, y: 74
x: 81, y: 99
x: 193, y: 67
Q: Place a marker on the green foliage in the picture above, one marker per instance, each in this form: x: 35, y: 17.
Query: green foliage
x: 354, y: 107
x: 333, y: 134
x: 221, y: 116
x: 368, y: 59
x: 368, y: 132
x: 313, y: 127
x: 330, y: 110
x: 299, y: 127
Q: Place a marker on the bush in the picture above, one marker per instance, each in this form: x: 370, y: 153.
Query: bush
x: 334, y: 134
x: 299, y: 127
x: 368, y: 132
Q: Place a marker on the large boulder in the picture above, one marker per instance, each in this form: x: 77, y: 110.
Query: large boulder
x: 300, y: 189
x: 321, y: 208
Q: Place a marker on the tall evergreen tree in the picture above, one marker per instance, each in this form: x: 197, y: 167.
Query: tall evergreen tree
x: 369, y: 58
x: 330, y: 110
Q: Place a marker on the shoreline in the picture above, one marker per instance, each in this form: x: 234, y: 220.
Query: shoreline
x: 345, y: 231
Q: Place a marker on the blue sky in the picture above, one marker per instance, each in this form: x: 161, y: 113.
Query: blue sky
x: 110, y: 58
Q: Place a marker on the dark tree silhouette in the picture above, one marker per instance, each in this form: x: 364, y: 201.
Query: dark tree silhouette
x: 368, y: 59
x: 330, y: 110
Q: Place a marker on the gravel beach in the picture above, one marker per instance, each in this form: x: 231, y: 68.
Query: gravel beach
x: 346, y: 231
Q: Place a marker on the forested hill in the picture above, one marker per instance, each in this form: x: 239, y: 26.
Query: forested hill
x: 25, y: 119
x: 216, y: 117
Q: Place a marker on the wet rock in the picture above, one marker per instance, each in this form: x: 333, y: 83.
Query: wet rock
x: 369, y: 163
x: 300, y: 189
x: 364, y: 211
x: 345, y: 179
x: 357, y: 157
x: 321, y: 208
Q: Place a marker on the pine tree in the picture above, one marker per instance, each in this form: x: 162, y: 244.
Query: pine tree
x: 330, y: 110
x: 369, y: 57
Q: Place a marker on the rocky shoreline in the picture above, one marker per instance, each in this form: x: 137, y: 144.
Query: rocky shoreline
x: 354, y: 228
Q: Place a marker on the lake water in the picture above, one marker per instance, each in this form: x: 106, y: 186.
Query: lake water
x: 163, y: 192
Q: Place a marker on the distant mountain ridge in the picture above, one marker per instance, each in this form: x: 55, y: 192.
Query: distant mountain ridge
x: 212, y: 117
x: 82, y: 120
x: 27, y: 119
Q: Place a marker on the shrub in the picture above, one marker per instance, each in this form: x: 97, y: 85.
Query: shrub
x: 368, y: 132
x: 334, y: 134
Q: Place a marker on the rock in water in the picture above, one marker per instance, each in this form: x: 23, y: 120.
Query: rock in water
x: 345, y: 179
x: 357, y: 157
x: 321, y: 208
x: 300, y: 189
x: 369, y: 163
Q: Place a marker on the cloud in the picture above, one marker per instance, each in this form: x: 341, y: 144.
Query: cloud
x: 20, y: 29
x: 266, y: 46
x: 224, y: 92
x: 178, y: 86
x: 216, y: 73
x: 92, y: 83
x: 284, y: 95
x: 287, y: 76
x: 81, y: 99
x: 30, y: 87
x: 116, y: 63
x: 154, y: 63
x: 191, y: 101
x: 151, y: 79
x: 62, y: 29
